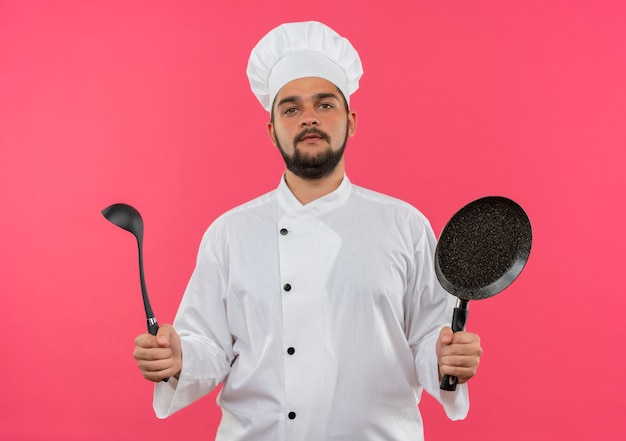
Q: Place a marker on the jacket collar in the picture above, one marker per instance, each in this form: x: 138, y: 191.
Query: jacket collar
x: 292, y: 207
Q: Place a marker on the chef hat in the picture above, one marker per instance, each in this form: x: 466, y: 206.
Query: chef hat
x: 298, y: 50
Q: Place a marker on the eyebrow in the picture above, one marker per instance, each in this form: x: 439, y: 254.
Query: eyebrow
x: 316, y: 97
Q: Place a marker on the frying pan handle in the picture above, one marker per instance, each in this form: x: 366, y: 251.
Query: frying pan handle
x: 153, y: 327
x: 459, y: 317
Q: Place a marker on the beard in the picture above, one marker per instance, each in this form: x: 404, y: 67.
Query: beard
x: 316, y: 166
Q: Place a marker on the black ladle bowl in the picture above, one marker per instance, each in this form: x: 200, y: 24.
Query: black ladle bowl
x: 127, y: 217
x: 480, y: 252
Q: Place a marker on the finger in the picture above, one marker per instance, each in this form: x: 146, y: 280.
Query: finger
x: 155, y: 366
x: 151, y: 354
x: 146, y: 341
x: 464, y: 337
x: 156, y: 371
x: 461, y: 350
x: 460, y: 360
x: 463, y: 367
x: 462, y: 374
x: 446, y: 335
x: 164, y: 335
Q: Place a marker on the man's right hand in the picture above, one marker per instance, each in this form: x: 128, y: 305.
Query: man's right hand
x: 159, y: 356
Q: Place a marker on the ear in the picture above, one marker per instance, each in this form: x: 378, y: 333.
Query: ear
x: 272, y: 133
x: 352, y: 118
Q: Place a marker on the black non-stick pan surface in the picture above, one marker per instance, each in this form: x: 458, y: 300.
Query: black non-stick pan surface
x: 481, y: 251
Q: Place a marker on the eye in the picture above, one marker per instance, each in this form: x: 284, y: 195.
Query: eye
x: 326, y: 106
x: 289, y: 111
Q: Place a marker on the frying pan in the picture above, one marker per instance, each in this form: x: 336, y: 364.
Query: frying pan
x: 480, y: 252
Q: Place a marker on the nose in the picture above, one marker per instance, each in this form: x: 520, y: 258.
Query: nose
x: 309, y: 117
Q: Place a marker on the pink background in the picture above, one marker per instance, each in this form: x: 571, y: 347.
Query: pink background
x: 147, y: 102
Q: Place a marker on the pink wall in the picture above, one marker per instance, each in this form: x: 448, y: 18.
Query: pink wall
x: 147, y: 102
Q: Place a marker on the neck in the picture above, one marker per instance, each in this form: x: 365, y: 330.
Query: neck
x: 308, y: 190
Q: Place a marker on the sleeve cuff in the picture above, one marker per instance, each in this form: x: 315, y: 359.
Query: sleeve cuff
x: 455, y: 403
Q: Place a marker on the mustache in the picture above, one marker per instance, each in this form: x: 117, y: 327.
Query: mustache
x: 309, y: 131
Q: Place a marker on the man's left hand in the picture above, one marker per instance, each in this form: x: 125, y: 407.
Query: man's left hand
x: 458, y: 354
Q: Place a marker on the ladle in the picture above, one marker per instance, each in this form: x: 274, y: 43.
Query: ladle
x: 127, y: 217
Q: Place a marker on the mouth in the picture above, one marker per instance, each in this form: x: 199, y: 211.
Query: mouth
x: 311, y: 136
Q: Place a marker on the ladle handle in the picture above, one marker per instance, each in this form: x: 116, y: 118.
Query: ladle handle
x: 459, y: 317
x: 153, y: 326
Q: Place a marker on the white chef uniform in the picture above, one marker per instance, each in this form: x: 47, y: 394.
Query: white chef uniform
x: 327, y: 312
